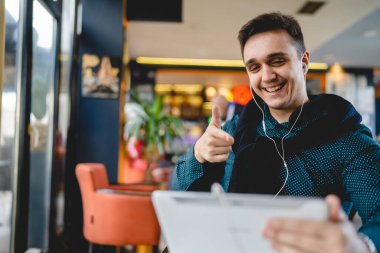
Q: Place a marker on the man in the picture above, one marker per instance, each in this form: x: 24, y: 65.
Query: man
x: 286, y: 143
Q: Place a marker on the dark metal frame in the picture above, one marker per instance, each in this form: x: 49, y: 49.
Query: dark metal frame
x: 20, y: 187
x: 21, y: 176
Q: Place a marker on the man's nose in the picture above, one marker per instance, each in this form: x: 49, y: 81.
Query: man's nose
x: 268, y: 74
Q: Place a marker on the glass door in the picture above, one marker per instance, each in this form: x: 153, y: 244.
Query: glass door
x: 28, y: 102
x: 9, y: 15
x: 42, y: 124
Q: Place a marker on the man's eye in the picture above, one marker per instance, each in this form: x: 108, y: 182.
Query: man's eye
x: 278, y: 62
x: 254, y: 68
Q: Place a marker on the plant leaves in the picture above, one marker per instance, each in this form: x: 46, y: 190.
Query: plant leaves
x: 156, y: 129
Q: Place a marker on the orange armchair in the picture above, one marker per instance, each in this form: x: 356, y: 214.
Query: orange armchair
x: 115, y: 215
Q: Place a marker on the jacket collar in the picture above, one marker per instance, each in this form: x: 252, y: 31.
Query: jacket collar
x: 256, y: 168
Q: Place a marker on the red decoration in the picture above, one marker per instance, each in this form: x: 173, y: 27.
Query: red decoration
x: 135, y: 148
x: 241, y: 94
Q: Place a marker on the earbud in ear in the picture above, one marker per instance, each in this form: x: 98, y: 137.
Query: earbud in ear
x: 304, y: 67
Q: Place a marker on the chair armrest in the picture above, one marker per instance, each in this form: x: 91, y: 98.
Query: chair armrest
x: 125, y: 192
x: 134, y: 187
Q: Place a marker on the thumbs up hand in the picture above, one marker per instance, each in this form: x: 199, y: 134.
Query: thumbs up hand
x: 216, y: 119
x: 215, y: 144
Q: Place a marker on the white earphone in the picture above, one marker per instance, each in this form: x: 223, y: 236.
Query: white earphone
x: 282, y: 156
x: 304, y: 68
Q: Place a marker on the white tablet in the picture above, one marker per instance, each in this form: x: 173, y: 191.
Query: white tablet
x: 232, y: 223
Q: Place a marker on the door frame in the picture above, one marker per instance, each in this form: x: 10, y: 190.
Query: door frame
x: 21, y: 175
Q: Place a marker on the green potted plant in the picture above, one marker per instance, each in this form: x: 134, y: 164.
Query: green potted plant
x: 151, y: 128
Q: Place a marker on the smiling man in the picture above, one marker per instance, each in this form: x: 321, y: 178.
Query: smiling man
x: 285, y: 142
x: 276, y: 69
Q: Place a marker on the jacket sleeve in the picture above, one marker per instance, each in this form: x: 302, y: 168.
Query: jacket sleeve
x: 187, y: 170
x: 362, y: 182
x: 189, y: 174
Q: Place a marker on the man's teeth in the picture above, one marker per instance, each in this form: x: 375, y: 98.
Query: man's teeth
x: 274, y: 89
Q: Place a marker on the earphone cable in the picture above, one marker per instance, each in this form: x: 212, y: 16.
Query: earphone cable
x: 282, y: 140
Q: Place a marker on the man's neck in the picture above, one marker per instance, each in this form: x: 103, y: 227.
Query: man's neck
x: 280, y: 116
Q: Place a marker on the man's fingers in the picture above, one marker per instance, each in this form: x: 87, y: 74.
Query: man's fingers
x: 283, y: 248
x: 221, y: 135
x: 335, y: 211
x: 216, y: 117
x: 214, y: 145
x: 298, y: 242
x: 218, y: 158
x: 308, y: 227
x: 221, y: 150
x: 302, y: 235
x: 218, y: 154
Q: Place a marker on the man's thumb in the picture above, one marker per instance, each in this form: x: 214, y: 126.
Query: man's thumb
x: 215, y: 116
x: 335, y: 211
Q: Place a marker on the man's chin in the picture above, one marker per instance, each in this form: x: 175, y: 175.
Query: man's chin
x: 276, y: 105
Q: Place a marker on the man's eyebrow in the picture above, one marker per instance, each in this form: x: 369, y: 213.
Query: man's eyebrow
x: 277, y: 54
x: 250, y: 61
x: 270, y: 56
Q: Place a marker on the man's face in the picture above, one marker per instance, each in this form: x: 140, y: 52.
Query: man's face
x: 275, y: 70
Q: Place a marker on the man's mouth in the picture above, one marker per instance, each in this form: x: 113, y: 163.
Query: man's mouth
x: 275, y: 88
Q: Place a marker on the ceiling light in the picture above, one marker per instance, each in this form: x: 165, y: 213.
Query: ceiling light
x: 318, y: 66
x: 337, y: 72
x: 208, y: 62
x: 311, y: 7
x: 189, y: 62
